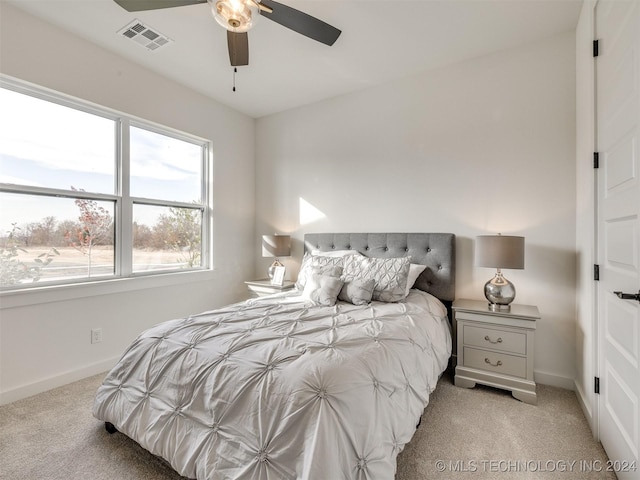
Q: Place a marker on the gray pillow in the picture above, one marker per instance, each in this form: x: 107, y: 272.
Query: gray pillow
x: 357, y: 291
x: 390, y: 275
x: 322, y: 289
x: 315, y: 261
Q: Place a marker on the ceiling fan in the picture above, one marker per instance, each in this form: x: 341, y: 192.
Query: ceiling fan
x: 238, y: 16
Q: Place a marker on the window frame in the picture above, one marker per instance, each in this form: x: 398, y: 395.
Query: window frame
x: 123, y: 205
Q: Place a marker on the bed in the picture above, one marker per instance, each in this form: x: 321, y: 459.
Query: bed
x: 284, y: 387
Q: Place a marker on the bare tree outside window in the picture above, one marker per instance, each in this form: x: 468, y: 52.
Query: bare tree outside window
x: 94, y: 229
x: 183, y: 234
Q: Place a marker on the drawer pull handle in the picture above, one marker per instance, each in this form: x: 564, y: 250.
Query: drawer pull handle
x: 497, y: 364
x: 488, y: 339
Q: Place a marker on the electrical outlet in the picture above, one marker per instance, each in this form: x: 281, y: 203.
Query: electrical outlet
x: 96, y: 335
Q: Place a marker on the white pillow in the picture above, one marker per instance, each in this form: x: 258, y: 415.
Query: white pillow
x: 322, y: 289
x: 414, y: 272
x: 310, y: 262
x: 335, y: 253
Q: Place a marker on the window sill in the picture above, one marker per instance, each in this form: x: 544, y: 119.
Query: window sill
x: 57, y: 293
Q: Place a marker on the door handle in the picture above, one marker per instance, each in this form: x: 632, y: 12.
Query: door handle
x: 628, y: 296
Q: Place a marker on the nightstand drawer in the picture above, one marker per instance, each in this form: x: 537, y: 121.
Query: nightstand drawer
x: 504, y: 341
x: 495, y: 362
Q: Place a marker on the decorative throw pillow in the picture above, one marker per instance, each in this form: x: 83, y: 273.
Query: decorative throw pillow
x: 414, y: 272
x: 357, y: 291
x: 312, y: 261
x: 322, y: 289
x: 390, y: 275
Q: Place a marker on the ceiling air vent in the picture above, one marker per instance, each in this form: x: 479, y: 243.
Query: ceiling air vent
x: 143, y: 35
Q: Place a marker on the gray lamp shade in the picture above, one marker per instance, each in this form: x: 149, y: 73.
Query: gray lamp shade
x: 276, y: 245
x: 500, y: 251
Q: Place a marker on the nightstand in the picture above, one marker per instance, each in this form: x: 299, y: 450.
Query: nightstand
x: 260, y: 288
x: 495, y: 348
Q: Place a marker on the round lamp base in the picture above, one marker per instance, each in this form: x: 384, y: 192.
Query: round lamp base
x: 500, y: 292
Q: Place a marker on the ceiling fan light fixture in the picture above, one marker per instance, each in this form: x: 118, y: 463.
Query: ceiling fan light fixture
x: 237, y: 16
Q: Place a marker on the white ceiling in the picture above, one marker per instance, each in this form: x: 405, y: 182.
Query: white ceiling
x: 380, y: 41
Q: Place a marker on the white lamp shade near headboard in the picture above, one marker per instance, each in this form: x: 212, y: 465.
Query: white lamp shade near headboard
x: 276, y: 245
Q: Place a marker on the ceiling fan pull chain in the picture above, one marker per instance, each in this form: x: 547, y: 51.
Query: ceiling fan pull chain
x: 235, y: 70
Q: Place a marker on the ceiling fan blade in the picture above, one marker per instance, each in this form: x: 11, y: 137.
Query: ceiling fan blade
x: 301, y: 22
x: 141, y: 5
x: 238, y: 48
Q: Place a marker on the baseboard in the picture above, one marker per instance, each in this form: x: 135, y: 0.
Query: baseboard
x: 585, y: 404
x: 40, y: 386
x: 554, y: 380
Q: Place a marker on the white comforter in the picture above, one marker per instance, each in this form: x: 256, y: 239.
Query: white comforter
x: 274, y: 388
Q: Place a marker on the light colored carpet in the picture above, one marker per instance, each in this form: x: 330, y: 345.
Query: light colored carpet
x: 477, y: 434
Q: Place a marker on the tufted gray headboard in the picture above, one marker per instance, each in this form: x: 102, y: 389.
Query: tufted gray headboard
x: 435, y: 250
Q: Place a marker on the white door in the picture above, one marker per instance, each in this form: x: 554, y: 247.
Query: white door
x: 618, y: 139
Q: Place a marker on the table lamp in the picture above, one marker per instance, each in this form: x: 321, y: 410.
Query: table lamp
x: 500, y: 251
x: 275, y: 246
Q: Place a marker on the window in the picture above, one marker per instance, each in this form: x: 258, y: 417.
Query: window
x: 89, y: 194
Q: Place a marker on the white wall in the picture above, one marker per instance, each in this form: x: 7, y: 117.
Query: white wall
x: 48, y: 344
x: 484, y: 146
x: 479, y: 147
x: 585, y: 213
